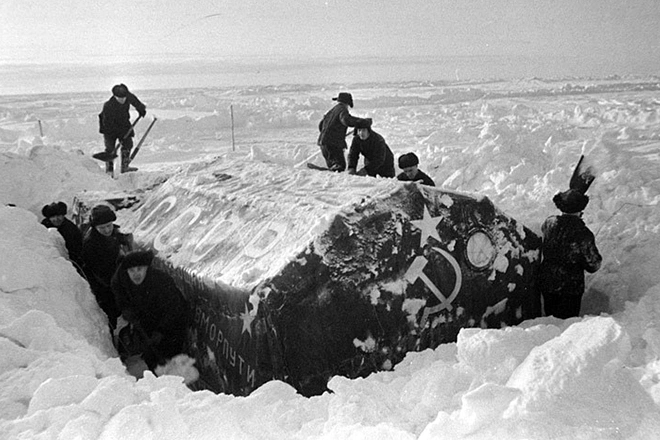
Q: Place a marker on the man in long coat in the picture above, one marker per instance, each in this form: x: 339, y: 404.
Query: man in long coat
x: 115, y: 123
x: 332, y: 128
x: 102, y: 245
x: 569, y: 249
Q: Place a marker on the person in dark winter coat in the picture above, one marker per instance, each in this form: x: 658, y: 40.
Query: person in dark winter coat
x: 569, y: 249
x: 55, y: 217
x: 332, y: 128
x: 378, y: 158
x: 115, y: 122
x: 154, y: 307
x: 102, y: 246
x: 409, y: 163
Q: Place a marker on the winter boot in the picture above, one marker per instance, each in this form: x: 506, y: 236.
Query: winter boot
x: 125, y: 161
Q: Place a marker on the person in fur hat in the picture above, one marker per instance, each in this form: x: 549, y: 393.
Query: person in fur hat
x: 568, y: 250
x: 332, y: 128
x: 55, y: 217
x: 152, y: 304
x: 378, y: 158
x: 115, y: 122
x: 102, y: 245
x: 409, y: 164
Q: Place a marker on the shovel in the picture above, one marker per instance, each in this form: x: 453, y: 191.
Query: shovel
x: 137, y: 148
x: 107, y: 156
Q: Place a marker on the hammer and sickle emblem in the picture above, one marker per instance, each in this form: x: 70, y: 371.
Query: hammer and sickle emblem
x: 416, y: 271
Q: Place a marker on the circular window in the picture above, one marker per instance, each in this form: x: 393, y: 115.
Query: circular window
x: 480, y: 250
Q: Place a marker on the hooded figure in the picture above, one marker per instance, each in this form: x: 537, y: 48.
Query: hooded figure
x: 153, y: 305
x: 332, y: 128
x: 115, y: 123
x: 102, y: 246
x: 378, y: 158
x: 54, y: 217
x: 569, y: 249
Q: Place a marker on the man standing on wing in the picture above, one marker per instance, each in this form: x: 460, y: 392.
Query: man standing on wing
x: 332, y: 138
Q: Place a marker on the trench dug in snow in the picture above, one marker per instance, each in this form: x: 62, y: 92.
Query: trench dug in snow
x: 302, y: 279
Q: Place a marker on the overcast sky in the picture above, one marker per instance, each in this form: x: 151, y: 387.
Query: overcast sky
x: 112, y: 30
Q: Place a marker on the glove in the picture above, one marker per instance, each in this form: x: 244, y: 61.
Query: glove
x: 142, y: 113
x: 121, y: 323
x: 125, y: 242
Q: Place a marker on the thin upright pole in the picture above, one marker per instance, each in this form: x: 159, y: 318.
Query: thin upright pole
x: 231, y: 111
x: 41, y: 130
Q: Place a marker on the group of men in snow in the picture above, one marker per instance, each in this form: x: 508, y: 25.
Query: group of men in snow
x: 569, y: 247
x: 148, y: 314
x: 378, y: 157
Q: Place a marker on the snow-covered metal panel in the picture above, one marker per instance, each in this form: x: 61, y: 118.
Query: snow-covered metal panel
x: 300, y: 283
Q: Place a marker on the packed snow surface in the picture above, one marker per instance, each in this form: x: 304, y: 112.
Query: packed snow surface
x: 595, y: 377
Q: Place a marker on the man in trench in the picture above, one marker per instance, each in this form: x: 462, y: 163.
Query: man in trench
x: 569, y: 249
x: 153, y: 307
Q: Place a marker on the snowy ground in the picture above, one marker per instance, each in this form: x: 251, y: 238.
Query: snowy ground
x: 516, y: 142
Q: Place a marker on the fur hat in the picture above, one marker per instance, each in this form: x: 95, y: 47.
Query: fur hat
x: 54, y: 209
x: 137, y: 258
x: 345, y: 98
x: 364, y: 123
x: 102, y: 214
x: 570, y: 201
x: 408, y: 160
x: 120, y: 91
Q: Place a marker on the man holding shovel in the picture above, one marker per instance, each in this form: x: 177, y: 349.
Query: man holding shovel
x: 115, y: 125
